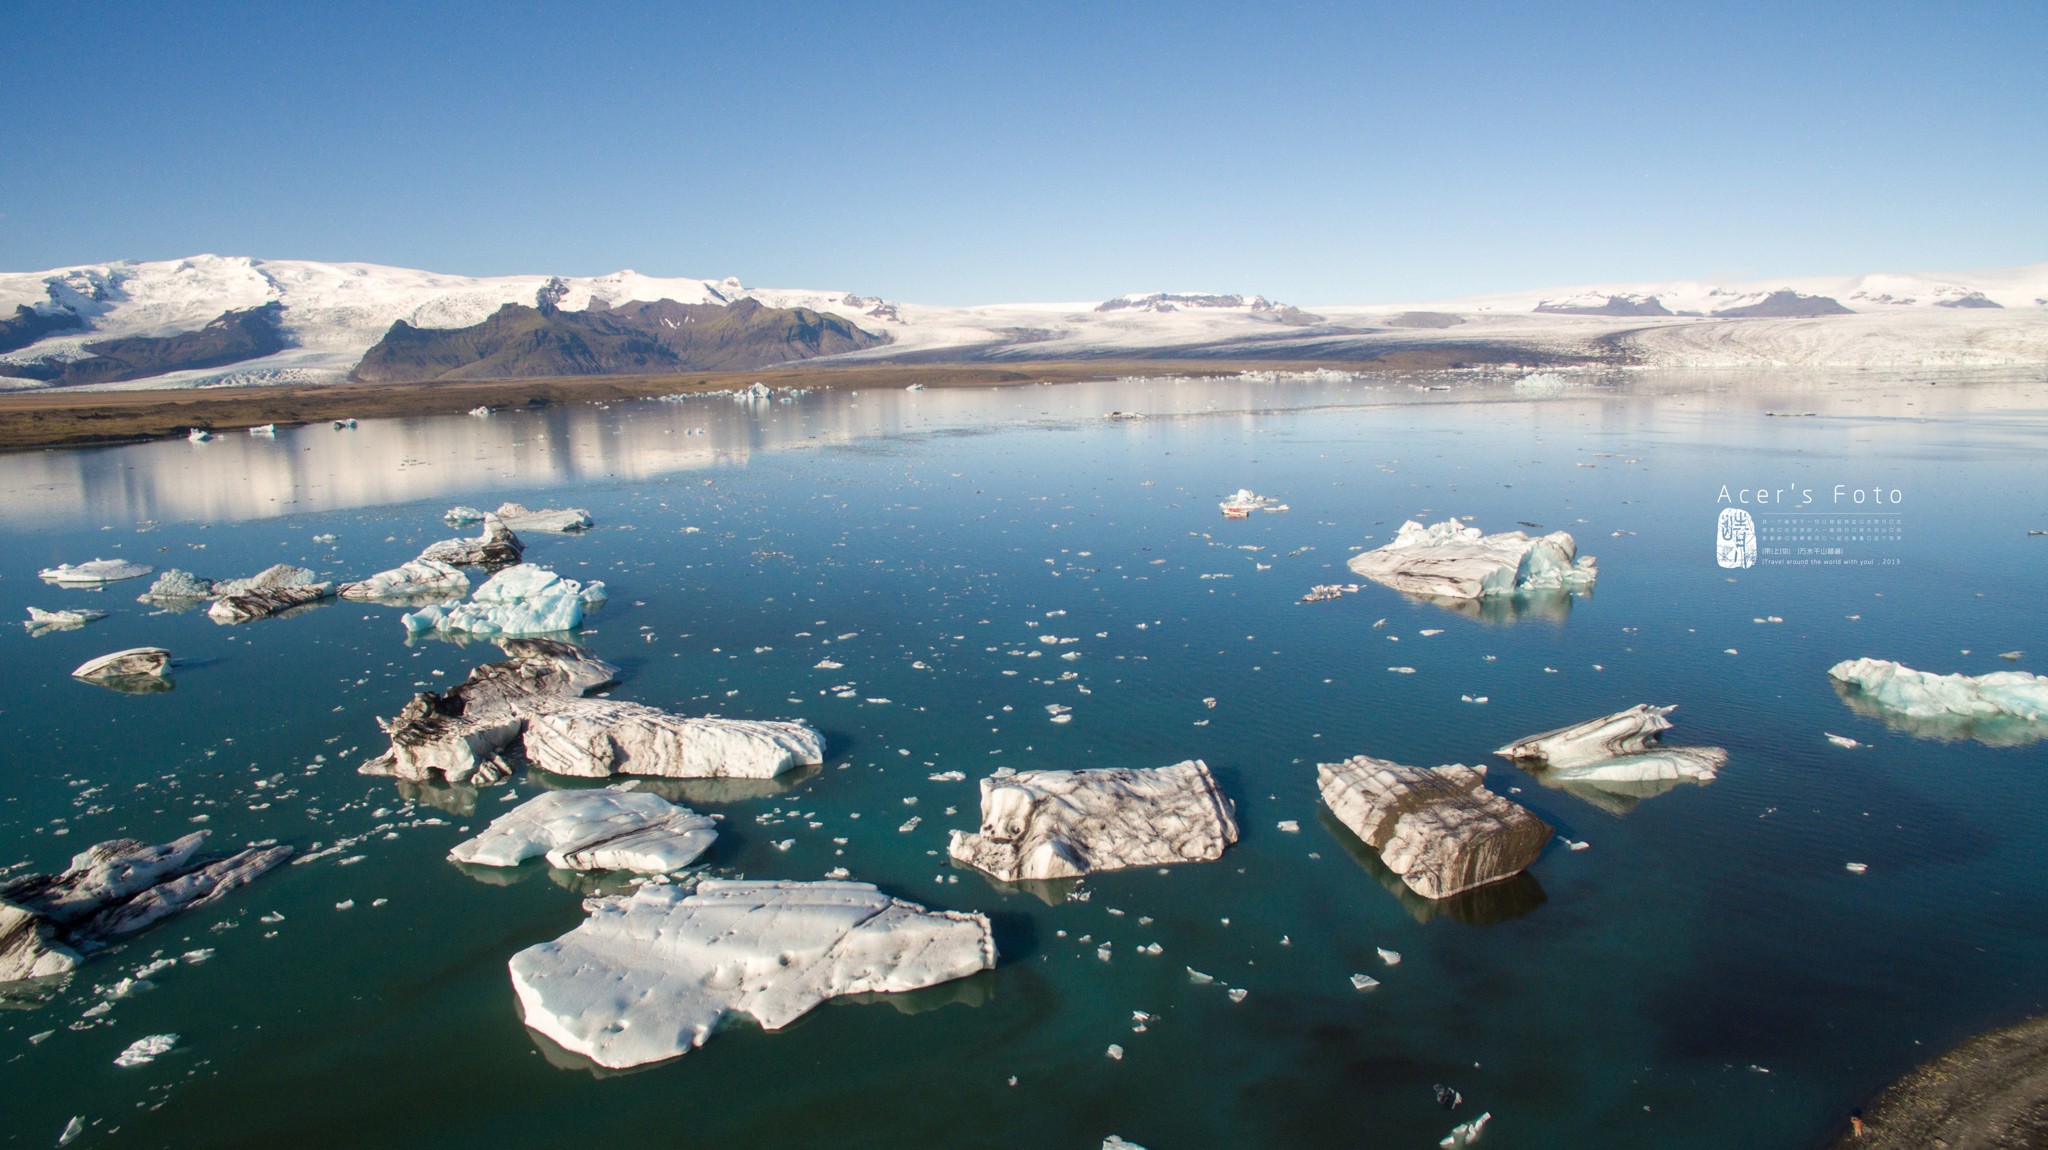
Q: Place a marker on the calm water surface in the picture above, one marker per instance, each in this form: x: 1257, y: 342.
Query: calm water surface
x: 1705, y: 974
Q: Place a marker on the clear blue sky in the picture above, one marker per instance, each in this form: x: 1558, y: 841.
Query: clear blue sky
x: 954, y: 154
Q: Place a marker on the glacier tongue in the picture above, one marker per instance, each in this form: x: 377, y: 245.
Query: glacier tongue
x: 648, y: 977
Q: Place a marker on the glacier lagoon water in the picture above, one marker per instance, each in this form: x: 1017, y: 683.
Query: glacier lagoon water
x: 1706, y: 974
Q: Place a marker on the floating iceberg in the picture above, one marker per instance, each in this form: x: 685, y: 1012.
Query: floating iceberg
x: 1062, y: 824
x: 602, y: 829
x: 648, y: 977
x: 461, y: 515
x: 93, y: 573
x: 496, y: 547
x: 1438, y: 828
x: 113, y: 889
x: 277, y: 588
x: 556, y: 521
x: 41, y: 621
x: 1622, y: 747
x: 1459, y: 562
x: 146, y: 1050
x: 175, y: 586
x: 520, y: 600
x: 2002, y: 708
x: 535, y: 701
x: 413, y: 580
x: 135, y: 662
x: 1246, y: 501
x: 598, y: 738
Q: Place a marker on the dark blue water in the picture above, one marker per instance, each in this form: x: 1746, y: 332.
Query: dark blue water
x: 1706, y: 974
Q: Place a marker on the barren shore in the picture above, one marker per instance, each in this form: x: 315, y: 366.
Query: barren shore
x: 65, y: 418
x: 1990, y: 1093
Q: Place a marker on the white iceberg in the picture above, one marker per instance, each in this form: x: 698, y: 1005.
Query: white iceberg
x: 598, y: 738
x: 411, y: 580
x: 41, y: 621
x: 550, y: 520
x: 602, y: 829
x: 2002, y: 708
x: 93, y: 573
x: 1620, y: 748
x: 1438, y: 828
x: 1063, y: 824
x: 135, y: 662
x: 146, y: 1050
x: 520, y: 600
x: 649, y: 977
x: 1246, y: 501
x: 461, y: 515
x: 1452, y: 560
x: 176, y: 586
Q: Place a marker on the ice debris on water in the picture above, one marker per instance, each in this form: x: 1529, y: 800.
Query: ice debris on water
x: 1390, y: 957
x: 1363, y: 982
x: 1465, y: 1134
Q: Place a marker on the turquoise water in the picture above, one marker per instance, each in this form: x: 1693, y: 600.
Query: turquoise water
x: 1705, y: 974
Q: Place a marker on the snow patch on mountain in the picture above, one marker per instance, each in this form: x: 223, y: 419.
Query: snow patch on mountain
x: 331, y: 313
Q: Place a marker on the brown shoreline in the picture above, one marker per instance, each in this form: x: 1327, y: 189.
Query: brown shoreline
x: 34, y: 419
x: 1988, y: 1093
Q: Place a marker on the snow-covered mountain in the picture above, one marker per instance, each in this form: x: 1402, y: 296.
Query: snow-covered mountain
x: 328, y: 314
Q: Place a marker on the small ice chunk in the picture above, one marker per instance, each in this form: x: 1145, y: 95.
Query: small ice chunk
x: 1390, y: 957
x: 146, y: 1050
x: 1363, y: 982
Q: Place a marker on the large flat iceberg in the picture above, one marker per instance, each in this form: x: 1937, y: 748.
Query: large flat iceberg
x: 93, y: 573
x: 548, y: 520
x: 1452, y: 560
x: 1063, y: 824
x: 602, y: 829
x: 648, y: 977
x: 2002, y: 708
x: 1438, y: 828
